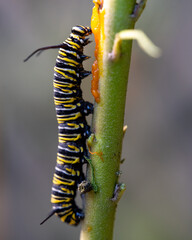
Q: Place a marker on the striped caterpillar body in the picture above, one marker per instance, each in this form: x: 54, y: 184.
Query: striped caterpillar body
x: 73, y: 129
x: 72, y: 126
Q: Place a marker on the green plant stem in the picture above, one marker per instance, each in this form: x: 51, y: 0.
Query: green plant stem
x: 108, y: 125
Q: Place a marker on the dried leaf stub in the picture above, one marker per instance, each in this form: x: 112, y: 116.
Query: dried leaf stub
x: 143, y: 41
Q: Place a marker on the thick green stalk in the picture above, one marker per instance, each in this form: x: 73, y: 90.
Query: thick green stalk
x: 108, y: 124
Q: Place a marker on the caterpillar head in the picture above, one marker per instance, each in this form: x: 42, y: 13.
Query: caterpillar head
x: 81, y: 31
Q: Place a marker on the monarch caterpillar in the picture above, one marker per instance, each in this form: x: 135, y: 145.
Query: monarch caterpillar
x: 73, y: 129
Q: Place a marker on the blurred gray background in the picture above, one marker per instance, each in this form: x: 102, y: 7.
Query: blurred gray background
x: 158, y: 143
